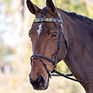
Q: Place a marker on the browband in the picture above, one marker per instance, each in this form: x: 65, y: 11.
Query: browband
x: 47, y: 20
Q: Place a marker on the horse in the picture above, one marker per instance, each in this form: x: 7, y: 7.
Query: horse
x: 59, y: 35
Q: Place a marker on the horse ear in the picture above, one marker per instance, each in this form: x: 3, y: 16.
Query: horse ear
x: 51, y: 7
x: 32, y: 7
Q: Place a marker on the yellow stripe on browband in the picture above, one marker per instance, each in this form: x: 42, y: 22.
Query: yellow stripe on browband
x: 37, y: 20
x: 46, y: 20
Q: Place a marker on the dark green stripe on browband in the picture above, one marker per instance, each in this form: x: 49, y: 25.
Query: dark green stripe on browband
x: 46, y: 20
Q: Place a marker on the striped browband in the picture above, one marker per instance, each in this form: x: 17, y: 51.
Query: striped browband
x: 47, y: 20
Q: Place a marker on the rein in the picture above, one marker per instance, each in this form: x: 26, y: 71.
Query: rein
x: 54, y: 63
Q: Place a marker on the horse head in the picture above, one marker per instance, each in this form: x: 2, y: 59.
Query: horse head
x: 48, y: 46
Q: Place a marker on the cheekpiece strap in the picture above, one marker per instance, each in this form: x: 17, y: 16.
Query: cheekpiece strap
x: 47, y: 20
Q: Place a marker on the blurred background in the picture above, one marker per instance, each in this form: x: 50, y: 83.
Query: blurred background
x: 15, y: 46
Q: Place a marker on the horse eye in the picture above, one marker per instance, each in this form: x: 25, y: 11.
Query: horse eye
x: 29, y: 35
x: 54, y: 34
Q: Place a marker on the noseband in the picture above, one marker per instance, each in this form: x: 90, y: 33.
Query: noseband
x: 55, y: 55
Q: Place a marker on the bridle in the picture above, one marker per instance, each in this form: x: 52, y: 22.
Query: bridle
x: 60, y: 36
x: 55, y: 55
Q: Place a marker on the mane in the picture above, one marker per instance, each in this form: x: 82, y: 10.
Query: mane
x: 72, y: 15
x: 79, y: 17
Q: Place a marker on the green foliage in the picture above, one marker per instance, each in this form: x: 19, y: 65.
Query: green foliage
x: 7, y: 1
x: 81, y: 7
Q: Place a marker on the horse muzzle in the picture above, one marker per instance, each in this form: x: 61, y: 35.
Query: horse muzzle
x: 38, y: 84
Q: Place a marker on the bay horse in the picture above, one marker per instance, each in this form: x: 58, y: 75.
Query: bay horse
x: 59, y: 35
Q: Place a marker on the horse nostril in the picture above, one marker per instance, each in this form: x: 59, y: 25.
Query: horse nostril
x: 40, y: 80
x: 38, y: 83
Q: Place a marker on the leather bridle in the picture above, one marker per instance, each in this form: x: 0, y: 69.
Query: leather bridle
x: 60, y: 36
x: 55, y: 55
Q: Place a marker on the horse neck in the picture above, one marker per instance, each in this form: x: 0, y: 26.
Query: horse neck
x: 79, y: 56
